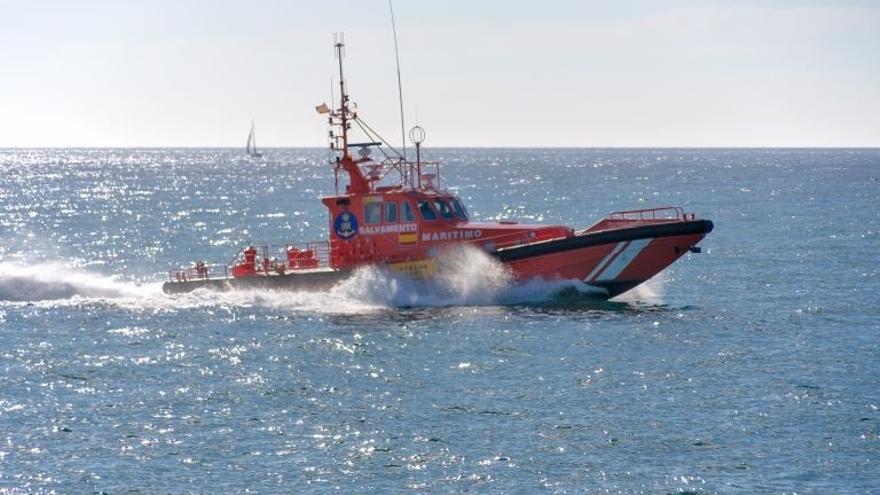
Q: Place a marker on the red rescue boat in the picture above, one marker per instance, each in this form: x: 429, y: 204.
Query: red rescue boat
x: 406, y: 225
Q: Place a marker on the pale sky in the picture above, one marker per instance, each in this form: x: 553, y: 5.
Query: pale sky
x: 475, y: 72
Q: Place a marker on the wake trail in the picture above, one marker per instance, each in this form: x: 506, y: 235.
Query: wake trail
x: 52, y: 281
x: 465, y: 276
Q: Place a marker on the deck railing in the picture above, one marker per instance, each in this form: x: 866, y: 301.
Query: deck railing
x: 201, y: 271
x: 661, y: 213
x: 270, y: 258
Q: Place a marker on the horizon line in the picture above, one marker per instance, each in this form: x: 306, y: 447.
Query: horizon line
x: 521, y: 147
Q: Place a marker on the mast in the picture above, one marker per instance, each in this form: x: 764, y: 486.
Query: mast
x: 357, y: 183
x: 343, y: 104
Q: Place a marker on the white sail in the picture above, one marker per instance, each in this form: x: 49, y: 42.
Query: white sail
x: 251, y: 141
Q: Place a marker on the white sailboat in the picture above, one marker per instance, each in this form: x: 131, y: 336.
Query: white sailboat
x: 252, y: 150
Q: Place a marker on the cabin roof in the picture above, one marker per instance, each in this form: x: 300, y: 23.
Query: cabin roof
x: 396, y: 190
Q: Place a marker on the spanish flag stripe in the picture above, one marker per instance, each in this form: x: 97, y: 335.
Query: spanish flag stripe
x: 407, y: 238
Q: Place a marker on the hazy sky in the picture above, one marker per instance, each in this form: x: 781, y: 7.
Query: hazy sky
x: 475, y: 72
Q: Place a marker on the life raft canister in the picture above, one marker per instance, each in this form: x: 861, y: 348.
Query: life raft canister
x: 248, y: 267
x: 307, y: 259
x: 250, y: 255
x: 293, y: 256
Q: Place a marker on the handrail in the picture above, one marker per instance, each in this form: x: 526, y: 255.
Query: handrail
x: 408, y: 170
x: 308, y: 255
x: 202, y: 271
x: 649, y: 214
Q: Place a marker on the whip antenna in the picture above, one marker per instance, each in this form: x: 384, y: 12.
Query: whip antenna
x: 399, y: 84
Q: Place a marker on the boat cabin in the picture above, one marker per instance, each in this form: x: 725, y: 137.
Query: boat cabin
x: 394, y: 225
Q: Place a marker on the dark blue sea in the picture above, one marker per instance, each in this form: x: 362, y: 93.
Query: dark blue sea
x: 753, y: 367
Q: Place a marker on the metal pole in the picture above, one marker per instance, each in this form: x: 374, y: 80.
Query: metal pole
x: 343, y: 102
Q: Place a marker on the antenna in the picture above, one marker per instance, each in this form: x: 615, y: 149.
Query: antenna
x: 338, y: 39
x: 399, y: 85
x: 339, y: 45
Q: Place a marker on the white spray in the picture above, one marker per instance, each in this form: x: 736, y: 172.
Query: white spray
x: 466, y: 276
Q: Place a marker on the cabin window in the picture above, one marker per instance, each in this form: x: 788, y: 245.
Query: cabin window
x: 460, y: 212
x: 407, y: 213
x: 426, y: 211
x: 444, y: 208
x: 391, y: 212
x: 373, y: 212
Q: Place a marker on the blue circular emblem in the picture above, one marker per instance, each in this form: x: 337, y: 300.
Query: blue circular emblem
x: 346, y: 225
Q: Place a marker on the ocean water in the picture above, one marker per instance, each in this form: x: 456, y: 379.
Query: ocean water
x: 753, y: 367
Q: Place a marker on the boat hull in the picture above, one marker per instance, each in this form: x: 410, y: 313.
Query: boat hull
x: 304, y: 280
x: 614, y: 261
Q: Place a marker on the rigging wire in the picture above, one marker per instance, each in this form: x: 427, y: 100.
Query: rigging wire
x: 399, y: 84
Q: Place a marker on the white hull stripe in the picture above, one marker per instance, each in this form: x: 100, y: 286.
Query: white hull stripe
x: 617, y: 266
x: 604, y: 262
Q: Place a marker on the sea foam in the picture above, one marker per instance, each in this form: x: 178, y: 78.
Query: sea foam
x: 466, y: 276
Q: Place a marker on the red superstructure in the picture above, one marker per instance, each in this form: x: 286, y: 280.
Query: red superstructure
x: 405, y: 224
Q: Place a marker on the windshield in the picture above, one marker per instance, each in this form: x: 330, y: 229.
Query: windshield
x: 426, y: 211
x: 408, y: 215
x: 460, y: 212
x: 443, y: 207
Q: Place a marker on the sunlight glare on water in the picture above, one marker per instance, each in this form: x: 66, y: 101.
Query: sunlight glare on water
x: 750, y: 368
